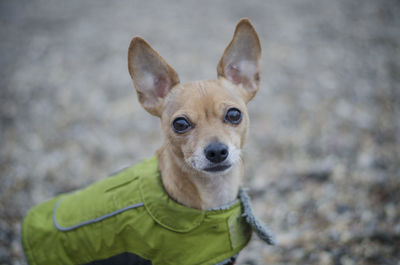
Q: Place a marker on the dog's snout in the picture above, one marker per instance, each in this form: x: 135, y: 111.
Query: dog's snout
x: 216, y: 152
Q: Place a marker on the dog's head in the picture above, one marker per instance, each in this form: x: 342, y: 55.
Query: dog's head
x: 205, y: 122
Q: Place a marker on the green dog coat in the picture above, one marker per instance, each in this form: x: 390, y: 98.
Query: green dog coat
x: 129, y: 219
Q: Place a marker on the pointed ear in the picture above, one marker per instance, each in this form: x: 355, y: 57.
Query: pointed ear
x: 240, y: 62
x: 152, y: 76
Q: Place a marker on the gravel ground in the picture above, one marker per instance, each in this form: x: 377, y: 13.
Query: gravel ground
x: 322, y: 158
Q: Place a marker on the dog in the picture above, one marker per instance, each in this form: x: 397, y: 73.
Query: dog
x: 184, y: 205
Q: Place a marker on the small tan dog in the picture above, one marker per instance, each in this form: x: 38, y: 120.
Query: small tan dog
x: 205, y: 123
x: 181, y: 207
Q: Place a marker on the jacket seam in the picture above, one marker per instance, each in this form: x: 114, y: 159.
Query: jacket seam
x: 90, y: 221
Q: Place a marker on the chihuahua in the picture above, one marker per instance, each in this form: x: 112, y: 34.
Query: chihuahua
x: 183, y: 206
x: 205, y: 123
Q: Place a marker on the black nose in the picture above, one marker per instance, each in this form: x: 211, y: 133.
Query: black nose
x: 216, y: 152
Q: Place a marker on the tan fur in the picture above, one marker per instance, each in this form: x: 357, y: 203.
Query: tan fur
x: 205, y: 104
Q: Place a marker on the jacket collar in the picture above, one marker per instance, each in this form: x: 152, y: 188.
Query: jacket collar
x: 163, y: 209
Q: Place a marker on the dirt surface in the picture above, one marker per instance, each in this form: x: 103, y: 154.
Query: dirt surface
x: 322, y: 157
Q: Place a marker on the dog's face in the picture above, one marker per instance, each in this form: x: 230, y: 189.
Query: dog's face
x: 205, y: 122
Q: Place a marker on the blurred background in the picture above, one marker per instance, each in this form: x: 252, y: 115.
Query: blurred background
x: 322, y: 157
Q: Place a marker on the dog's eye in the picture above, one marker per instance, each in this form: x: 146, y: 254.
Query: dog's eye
x: 233, y: 116
x: 181, y: 125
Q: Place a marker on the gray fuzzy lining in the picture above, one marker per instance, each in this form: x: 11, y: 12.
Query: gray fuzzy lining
x: 257, y: 226
x: 224, y: 207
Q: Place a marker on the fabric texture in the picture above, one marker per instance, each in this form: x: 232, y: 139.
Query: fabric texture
x: 131, y: 213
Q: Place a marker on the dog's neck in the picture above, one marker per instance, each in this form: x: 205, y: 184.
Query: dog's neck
x: 195, y: 189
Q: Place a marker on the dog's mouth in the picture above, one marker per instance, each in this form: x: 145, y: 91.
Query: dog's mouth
x: 217, y: 168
